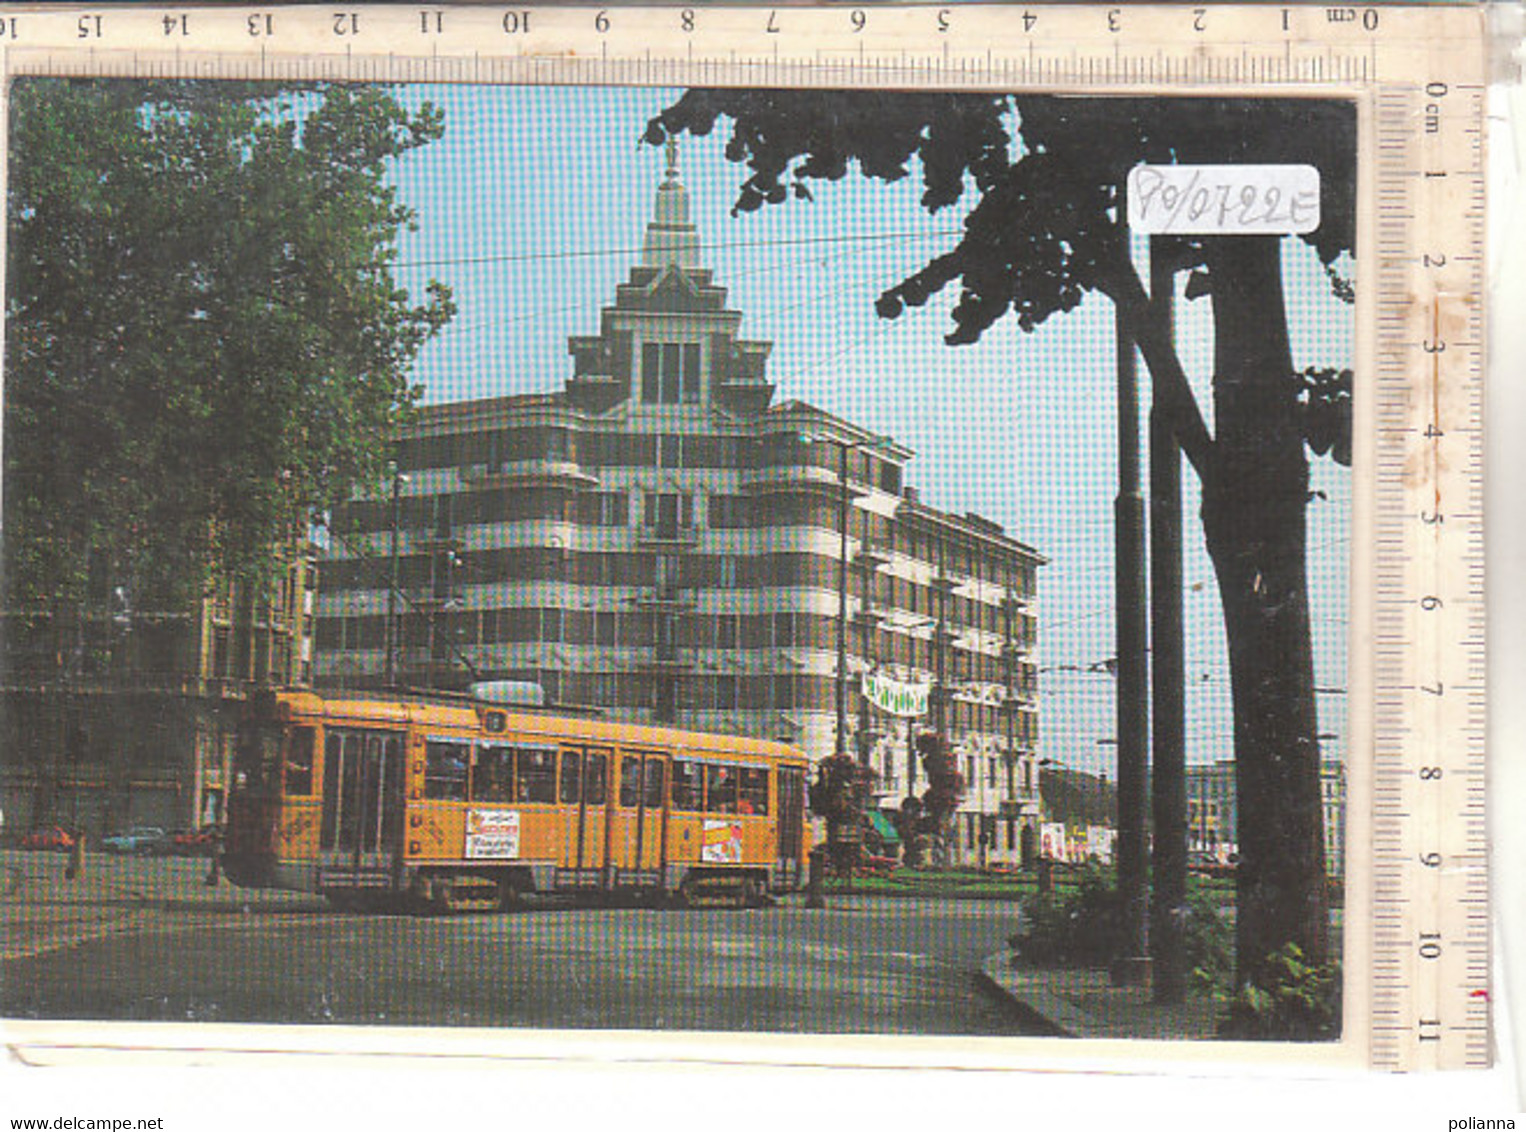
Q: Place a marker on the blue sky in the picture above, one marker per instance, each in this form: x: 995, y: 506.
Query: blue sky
x: 532, y: 208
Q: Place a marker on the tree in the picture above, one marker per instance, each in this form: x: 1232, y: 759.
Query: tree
x: 205, y: 344
x: 1050, y: 225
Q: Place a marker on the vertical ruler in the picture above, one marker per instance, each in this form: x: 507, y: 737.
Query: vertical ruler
x: 1430, y: 942
x: 1417, y: 933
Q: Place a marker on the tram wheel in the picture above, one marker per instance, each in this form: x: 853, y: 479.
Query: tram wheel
x: 510, y: 899
x: 683, y: 895
x: 753, y: 895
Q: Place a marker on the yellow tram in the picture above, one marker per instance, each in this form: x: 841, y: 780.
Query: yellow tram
x: 374, y: 799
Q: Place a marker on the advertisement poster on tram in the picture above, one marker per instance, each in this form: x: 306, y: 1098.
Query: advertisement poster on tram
x: 492, y: 834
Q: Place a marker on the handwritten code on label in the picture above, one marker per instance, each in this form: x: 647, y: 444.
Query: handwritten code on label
x: 1223, y: 200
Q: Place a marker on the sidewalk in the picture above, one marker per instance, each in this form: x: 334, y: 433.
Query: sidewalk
x: 1084, y: 1004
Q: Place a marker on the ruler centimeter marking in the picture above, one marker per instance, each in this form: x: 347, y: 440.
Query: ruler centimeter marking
x: 1422, y: 953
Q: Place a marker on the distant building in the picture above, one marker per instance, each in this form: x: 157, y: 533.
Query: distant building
x: 128, y: 716
x: 660, y: 540
x: 1211, y: 809
x: 1212, y: 826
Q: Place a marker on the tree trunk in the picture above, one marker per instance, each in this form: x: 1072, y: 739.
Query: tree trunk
x: 1254, y: 505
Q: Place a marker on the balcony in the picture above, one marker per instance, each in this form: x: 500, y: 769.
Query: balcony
x: 667, y: 537
x: 869, y: 616
x: 796, y: 478
x: 528, y: 473
x: 664, y: 599
x: 946, y: 582
x: 667, y: 658
x: 871, y: 557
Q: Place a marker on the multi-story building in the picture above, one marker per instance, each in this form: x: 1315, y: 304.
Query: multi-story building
x: 122, y: 715
x: 660, y: 540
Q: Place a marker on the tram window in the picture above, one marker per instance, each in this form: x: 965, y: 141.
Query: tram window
x: 299, y: 762
x: 594, y: 780
x: 720, y: 789
x: 493, y: 775
x: 537, y: 776
x: 654, y: 782
x: 445, y: 771
x: 572, y: 767
x: 754, y: 788
x: 630, y: 782
x: 686, y: 785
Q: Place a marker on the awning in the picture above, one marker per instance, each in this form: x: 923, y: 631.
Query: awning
x: 883, y: 827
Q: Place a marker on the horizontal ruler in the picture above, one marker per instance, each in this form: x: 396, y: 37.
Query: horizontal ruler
x: 1083, y: 46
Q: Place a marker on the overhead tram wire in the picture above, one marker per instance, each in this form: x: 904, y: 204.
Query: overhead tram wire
x: 796, y: 264
x: 598, y: 253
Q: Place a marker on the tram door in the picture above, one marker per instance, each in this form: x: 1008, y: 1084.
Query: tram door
x: 583, y: 792
x: 359, y: 839
x: 636, y: 833
x: 791, y: 819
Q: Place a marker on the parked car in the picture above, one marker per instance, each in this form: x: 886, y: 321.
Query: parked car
x: 54, y: 837
x: 143, y: 840
x: 195, y: 842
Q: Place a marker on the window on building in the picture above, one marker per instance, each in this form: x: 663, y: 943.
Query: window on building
x: 729, y: 512
x: 726, y: 631
x: 726, y: 693
x: 603, y: 689
x: 551, y: 625
x: 784, y: 630
x: 784, y: 693
x: 605, y: 629
x: 669, y: 373
x: 603, y: 509
x: 667, y: 514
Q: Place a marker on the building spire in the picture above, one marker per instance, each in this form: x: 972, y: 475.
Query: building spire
x: 671, y: 240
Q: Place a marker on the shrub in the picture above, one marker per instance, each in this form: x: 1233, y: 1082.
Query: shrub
x: 1082, y: 929
x: 1287, y: 999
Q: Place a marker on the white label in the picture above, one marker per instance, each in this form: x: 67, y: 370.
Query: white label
x: 492, y: 834
x: 1223, y: 200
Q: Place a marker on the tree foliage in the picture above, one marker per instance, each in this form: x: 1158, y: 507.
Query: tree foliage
x: 1049, y: 221
x: 205, y: 344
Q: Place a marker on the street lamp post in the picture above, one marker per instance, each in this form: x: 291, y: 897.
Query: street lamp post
x: 840, y: 748
x: 840, y: 744
x: 398, y: 480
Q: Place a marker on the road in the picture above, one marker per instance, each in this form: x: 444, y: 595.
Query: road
x: 146, y: 940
